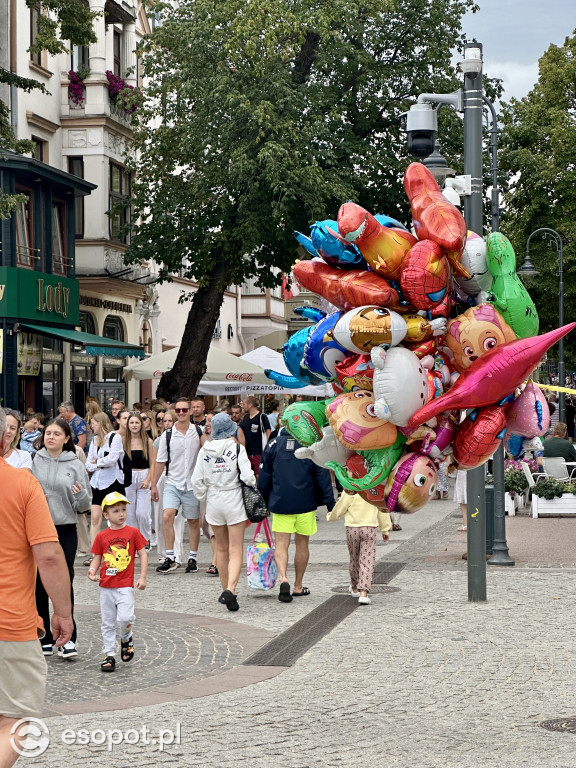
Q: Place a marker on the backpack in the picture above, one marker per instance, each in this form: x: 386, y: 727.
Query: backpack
x: 169, y: 437
x: 125, y: 464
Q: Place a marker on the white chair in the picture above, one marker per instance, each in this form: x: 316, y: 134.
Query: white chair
x: 556, y: 467
x: 531, y: 479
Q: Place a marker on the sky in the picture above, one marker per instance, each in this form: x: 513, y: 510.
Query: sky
x: 515, y: 34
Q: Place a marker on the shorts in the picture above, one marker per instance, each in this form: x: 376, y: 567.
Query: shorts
x: 304, y: 523
x: 23, y: 681
x: 98, y: 495
x: 225, y: 507
x: 255, y: 462
x: 174, y: 497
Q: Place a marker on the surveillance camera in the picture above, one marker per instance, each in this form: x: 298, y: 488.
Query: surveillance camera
x: 422, y: 129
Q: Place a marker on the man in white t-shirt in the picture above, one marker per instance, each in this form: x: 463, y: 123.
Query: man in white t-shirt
x: 177, y: 452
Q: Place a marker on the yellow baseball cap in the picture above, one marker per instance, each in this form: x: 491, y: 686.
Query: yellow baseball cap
x: 113, y: 498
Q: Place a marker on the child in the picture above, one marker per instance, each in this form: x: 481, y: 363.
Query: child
x: 115, y: 548
x: 361, y: 520
x: 30, y: 433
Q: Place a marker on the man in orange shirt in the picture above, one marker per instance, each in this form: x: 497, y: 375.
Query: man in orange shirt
x: 29, y: 540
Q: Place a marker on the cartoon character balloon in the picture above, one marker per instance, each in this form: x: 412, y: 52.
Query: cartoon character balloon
x: 305, y: 421
x: 378, y: 463
x: 322, y: 352
x: 475, y: 332
x: 479, y: 436
x: 355, y: 424
x: 411, y: 483
x: 474, y: 260
x: 329, y: 449
x: 425, y: 274
x: 529, y: 414
x: 400, y: 384
x: 355, y: 372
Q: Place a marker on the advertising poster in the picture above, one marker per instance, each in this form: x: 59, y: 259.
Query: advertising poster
x: 29, y: 354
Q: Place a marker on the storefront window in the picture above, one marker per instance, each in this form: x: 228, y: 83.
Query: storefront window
x: 59, y: 260
x: 24, y: 245
x: 112, y: 366
x: 118, y: 207
x: 51, y: 388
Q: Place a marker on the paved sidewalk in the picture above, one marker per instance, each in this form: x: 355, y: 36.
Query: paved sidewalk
x: 420, y: 678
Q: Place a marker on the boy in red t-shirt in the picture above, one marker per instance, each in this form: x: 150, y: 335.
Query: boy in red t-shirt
x: 115, y: 548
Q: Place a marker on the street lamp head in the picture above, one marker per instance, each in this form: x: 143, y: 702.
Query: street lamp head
x: 527, y: 272
x: 472, y: 63
x: 437, y: 165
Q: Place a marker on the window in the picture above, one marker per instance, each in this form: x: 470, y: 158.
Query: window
x: 117, y: 69
x: 86, y: 323
x: 146, y: 337
x: 34, y: 15
x: 76, y: 168
x: 40, y: 149
x: 113, y: 328
x: 24, y: 250
x: 80, y: 59
x: 59, y: 259
x: 119, y: 205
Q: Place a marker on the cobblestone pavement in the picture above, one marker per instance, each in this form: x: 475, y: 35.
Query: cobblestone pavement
x: 420, y: 678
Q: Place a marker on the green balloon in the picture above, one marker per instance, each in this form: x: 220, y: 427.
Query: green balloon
x: 305, y: 420
x: 508, y: 294
x: 380, y: 463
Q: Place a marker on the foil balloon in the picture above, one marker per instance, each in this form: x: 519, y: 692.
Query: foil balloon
x: 478, y: 436
x: 475, y: 332
x: 329, y: 449
x: 306, y: 243
x: 474, y: 260
x: 293, y: 351
x: 378, y: 465
x: 529, y: 415
x: 425, y: 274
x: 346, y: 289
x: 322, y: 352
x: 493, y: 376
x: 418, y: 328
x: 355, y: 424
x: 358, y: 468
x: 400, y: 384
x: 365, y: 327
x: 434, y: 442
x: 305, y: 421
x: 382, y: 247
x: 334, y: 250
x: 507, y: 293
x: 434, y: 217
x: 411, y: 483
x: 355, y: 372
x: 388, y: 221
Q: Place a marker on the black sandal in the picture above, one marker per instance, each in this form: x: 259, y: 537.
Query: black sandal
x: 109, y: 664
x: 127, y: 649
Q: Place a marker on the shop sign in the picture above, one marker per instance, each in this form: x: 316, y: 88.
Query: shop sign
x: 37, y: 296
x: 83, y: 359
x: 49, y: 356
x: 29, y: 360
x: 113, y: 362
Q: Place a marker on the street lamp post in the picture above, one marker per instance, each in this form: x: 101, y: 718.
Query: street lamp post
x: 527, y: 271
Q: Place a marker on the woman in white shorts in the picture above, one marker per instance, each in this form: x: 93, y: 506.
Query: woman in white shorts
x: 220, y: 465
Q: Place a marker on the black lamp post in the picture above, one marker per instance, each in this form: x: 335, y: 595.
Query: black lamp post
x: 527, y: 272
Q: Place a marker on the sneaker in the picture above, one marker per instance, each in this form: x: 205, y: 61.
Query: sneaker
x: 364, y: 600
x: 68, y: 651
x: 191, y: 567
x: 353, y: 591
x: 168, y: 566
x: 47, y: 650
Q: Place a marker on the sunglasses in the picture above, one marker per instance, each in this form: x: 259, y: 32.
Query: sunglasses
x: 144, y: 418
x: 159, y: 418
x: 181, y: 410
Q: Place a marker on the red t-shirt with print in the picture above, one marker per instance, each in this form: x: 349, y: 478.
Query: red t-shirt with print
x: 118, y: 549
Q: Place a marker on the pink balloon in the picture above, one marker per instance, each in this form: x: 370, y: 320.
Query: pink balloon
x: 529, y: 415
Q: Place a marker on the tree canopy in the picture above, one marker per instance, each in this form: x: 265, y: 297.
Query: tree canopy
x: 539, y: 155
x: 259, y: 118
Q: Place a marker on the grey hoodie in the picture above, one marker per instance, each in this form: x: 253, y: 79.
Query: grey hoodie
x: 57, y: 476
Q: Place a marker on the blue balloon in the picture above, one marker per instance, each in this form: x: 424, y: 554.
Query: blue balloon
x: 306, y: 243
x: 293, y: 351
x: 388, y: 221
x: 335, y: 252
x: 310, y: 313
x: 322, y: 352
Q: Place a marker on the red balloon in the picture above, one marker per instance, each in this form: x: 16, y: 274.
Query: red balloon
x: 479, y: 436
x: 425, y: 273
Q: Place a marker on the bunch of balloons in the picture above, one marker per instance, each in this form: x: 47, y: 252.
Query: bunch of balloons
x: 421, y: 327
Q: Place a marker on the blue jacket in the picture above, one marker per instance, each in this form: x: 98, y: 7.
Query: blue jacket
x: 292, y: 486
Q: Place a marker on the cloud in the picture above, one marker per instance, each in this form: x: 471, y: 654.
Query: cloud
x: 518, y: 79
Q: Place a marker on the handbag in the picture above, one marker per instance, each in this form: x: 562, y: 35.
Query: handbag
x: 254, y: 503
x: 260, y: 563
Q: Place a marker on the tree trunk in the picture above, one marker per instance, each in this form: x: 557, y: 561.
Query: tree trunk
x: 190, y: 364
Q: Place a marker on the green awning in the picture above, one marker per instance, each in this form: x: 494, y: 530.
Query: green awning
x: 95, y: 345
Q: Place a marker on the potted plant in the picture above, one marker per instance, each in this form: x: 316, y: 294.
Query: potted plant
x: 553, y: 497
x: 515, y: 484
x: 76, y: 87
x: 119, y: 90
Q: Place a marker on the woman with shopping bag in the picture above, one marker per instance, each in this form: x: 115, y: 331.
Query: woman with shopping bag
x: 221, y: 466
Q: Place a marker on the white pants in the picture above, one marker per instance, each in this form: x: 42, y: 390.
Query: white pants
x: 179, y: 523
x: 116, y: 606
x: 139, y: 511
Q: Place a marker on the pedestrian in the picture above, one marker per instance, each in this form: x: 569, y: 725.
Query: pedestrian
x: 220, y: 466
x: 460, y: 497
x: 443, y: 483
x: 361, y: 519
x: 30, y: 433
x: 29, y: 542
x: 177, y: 452
x: 197, y: 411
x: 105, y: 467
x: 557, y: 445
x: 64, y: 481
x: 255, y: 430
x: 149, y: 419
x: 114, y: 549
x: 116, y: 407
x: 139, y: 449
x: 77, y: 423
x: 157, y: 510
x: 274, y: 414
x: 17, y: 458
x: 293, y: 489
x: 207, y: 434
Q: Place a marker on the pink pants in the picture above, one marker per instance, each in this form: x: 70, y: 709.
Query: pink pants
x: 362, y: 548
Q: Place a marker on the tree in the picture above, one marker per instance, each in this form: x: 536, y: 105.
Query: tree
x: 259, y: 118
x: 60, y: 21
x: 539, y: 156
